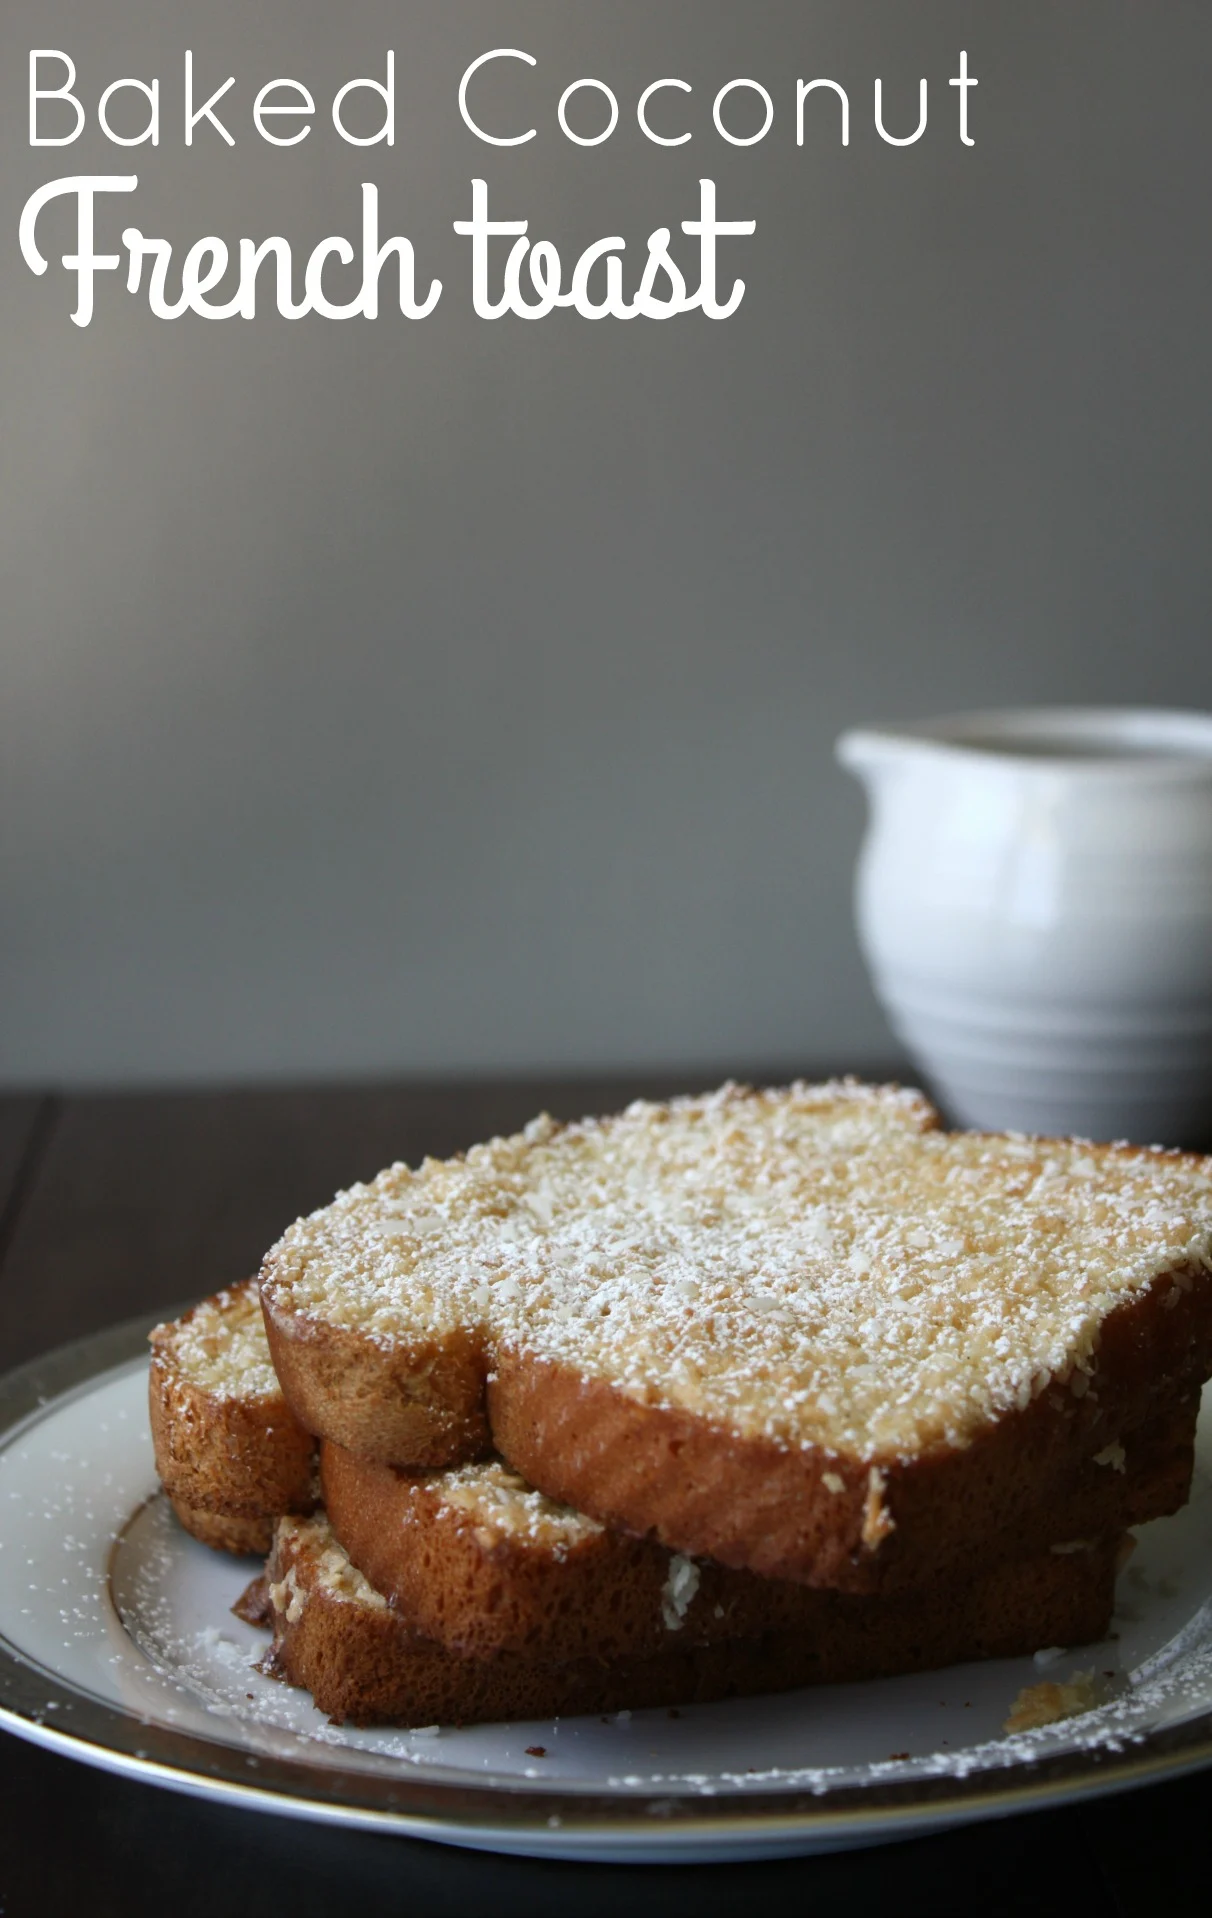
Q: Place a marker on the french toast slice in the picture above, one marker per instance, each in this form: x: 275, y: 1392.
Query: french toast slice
x: 230, y: 1453
x: 363, y: 1662
x: 480, y: 1562
x: 802, y: 1332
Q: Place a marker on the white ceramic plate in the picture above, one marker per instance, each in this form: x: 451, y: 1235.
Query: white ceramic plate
x: 117, y: 1647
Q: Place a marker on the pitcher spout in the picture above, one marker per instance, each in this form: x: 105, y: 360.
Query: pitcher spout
x: 870, y: 752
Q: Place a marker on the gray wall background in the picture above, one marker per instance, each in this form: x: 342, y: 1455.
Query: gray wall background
x: 454, y: 695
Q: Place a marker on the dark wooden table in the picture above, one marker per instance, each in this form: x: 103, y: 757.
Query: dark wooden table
x: 112, y: 1205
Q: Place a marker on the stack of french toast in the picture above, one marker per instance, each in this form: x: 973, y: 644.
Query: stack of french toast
x: 731, y: 1395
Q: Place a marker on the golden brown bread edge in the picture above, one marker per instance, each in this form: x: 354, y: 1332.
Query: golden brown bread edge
x: 421, y: 1406
x: 366, y: 1664
x: 231, y: 1465
x: 480, y: 1591
x: 749, y: 1503
x: 243, y: 1535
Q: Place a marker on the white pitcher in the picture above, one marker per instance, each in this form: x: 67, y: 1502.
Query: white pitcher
x: 1034, y: 901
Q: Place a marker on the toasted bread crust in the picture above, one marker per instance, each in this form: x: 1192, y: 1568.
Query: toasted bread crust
x: 363, y: 1663
x: 475, y: 1561
x: 243, y: 1537
x: 480, y: 1590
x: 421, y: 1402
x: 750, y: 1503
x: 233, y: 1453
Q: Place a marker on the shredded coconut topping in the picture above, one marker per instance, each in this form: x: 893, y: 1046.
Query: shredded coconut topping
x: 312, y: 1540
x: 221, y: 1347
x: 814, y: 1265
x: 1113, y: 1455
x: 504, y: 1505
x: 678, y: 1592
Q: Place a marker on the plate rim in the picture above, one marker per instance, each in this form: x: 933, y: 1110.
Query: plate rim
x: 506, y: 1811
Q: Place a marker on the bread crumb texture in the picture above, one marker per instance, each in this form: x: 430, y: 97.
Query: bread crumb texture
x: 816, y: 1265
